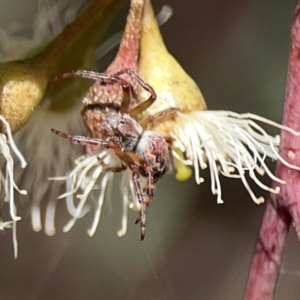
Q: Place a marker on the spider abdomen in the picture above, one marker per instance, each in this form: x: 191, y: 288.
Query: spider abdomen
x: 153, y: 148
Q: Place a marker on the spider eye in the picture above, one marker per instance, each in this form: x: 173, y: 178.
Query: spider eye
x: 122, y: 121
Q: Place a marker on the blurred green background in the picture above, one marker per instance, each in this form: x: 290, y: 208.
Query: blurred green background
x: 237, y: 51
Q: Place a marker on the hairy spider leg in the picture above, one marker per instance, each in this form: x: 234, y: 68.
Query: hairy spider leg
x: 127, y: 95
x: 160, y: 115
x: 134, y: 162
x: 144, y: 105
x: 170, y: 142
x: 104, y: 78
x: 82, y: 140
x: 114, y: 78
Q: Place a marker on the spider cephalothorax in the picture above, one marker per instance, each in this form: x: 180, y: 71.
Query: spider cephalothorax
x: 145, y: 152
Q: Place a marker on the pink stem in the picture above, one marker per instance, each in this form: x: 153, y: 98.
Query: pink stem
x: 126, y: 58
x: 268, y: 253
x: 283, y: 208
x: 129, y: 47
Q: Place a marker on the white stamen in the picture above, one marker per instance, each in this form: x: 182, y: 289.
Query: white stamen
x: 125, y: 203
x: 4, y: 225
x: 80, y: 179
x: 8, y: 179
x: 83, y: 199
x: 127, y: 188
x: 70, y: 199
x: 36, y: 219
x: 229, y: 142
x: 105, y: 179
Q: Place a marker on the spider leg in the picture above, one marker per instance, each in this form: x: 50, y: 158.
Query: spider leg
x: 162, y: 114
x: 114, y: 78
x: 134, y: 162
x: 82, y: 140
x: 139, y: 217
x: 127, y: 94
x: 124, y: 156
x: 108, y: 79
x: 170, y: 142
x: 139, y: 192
x: 142, y: 219
x: 144, y: 105
x: 145, y: 204
x: 105, y: 78
x: 142, y: 215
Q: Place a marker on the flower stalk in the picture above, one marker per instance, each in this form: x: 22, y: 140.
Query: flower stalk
x: 284, y: 208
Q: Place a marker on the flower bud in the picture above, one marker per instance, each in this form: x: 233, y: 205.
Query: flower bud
x: 22, y: 87
x: 157, y: 67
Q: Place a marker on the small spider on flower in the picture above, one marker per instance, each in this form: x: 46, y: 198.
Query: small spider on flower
x: 143, y: 151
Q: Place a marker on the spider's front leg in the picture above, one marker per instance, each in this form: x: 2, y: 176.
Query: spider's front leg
x: 141, y: 218
x: 82, y: 140
x: 116, y: 79
x: 150, y: 193
x: 135, y: 162
x: 104, y: 78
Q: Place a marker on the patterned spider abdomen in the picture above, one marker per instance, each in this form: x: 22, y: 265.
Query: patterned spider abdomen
x: 153, y: 148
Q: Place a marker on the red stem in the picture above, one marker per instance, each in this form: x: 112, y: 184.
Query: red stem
x: 129, y: 47
x: 126, y: 58
x: 283, y: 208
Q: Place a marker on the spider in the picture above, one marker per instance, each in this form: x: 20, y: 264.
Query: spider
x: 143, y: 151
